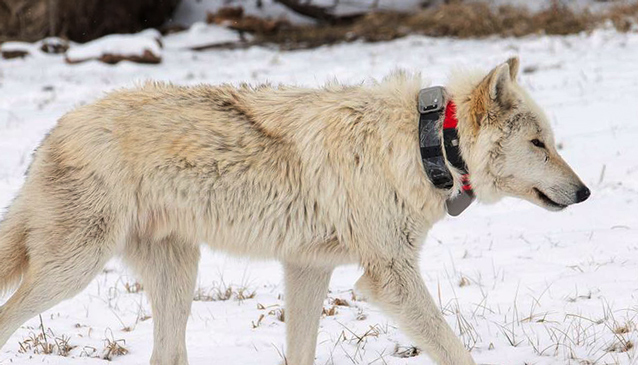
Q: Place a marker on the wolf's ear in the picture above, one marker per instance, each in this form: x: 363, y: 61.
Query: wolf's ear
x: 494, y: 90
x: 513, y: 63
x: 498, y: 81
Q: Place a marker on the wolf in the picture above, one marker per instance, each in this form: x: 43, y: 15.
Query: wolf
x: 315, y: 178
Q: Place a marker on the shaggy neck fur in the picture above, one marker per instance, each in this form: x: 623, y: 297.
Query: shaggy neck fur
x: 463, y: 89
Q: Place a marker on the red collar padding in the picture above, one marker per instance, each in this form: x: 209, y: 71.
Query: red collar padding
x: 450, y: 120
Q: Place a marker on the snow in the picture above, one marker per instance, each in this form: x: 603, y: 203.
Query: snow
x: 525, y: 285
x: 17, y: 46
x: 117, y: 44
x: 201, y: 34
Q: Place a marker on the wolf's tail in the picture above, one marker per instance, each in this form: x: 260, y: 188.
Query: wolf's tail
x: 13, y: 252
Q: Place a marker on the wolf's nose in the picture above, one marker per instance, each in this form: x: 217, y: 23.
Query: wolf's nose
x: 582, y: 194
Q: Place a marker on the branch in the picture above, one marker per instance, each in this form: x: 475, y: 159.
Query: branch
x: 321, y: 14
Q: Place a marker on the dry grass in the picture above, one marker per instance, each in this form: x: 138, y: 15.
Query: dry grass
x: 353, y: 344
x: 340, y: 302
x: 274, y: 310
x: 133, y: 288
x: 623, y: 17
x: 453, y: 19
x: 222, y: 292
x: 45, y: 342
x: 469, y: 20
x: 329, y: 312
x: 406, y: 352
x: 464, y: 281
x: 259, y: 320
x: 279, y: 314
x: 113, y: 348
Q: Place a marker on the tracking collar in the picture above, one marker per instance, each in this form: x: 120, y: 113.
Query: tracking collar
x: 431, y: 106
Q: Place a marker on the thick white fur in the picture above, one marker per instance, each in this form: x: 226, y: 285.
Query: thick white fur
x: 315, y: 178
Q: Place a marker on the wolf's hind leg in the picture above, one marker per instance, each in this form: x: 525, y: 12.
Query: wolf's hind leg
x: 397, y: 287
x: 168, y: 269
x: 59, y: 267
x: 306, y: 288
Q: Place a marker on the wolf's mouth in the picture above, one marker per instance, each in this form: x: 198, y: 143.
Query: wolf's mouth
x: 547, y: 201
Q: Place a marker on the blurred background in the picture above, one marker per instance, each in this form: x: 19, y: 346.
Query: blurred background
x: 294, y: 24
x: 519, y: 285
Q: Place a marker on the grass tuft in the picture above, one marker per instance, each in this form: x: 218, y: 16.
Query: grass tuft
x: 45, y: 342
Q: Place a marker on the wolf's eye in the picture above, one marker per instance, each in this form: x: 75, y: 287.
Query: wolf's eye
x: 536, y: 142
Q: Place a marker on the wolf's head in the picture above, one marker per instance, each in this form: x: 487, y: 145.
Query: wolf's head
x: 508, y: 143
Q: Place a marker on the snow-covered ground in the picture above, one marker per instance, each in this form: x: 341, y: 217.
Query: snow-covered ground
x: 520, y: 285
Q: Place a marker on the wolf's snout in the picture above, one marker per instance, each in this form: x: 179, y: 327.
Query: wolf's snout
x: 582, y: 194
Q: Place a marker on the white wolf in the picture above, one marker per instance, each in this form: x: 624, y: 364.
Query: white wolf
x: 315, y: 178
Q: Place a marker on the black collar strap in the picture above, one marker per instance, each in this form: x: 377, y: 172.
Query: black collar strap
x: 431, y: 107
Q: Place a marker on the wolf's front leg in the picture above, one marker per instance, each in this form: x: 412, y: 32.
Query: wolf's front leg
x: 306, y: 288
x: 397, y: 287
